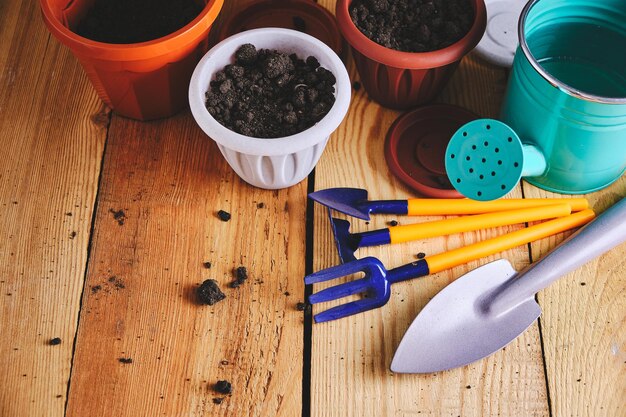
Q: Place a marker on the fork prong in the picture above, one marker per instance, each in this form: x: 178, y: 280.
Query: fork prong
x: 348, y: 309
x: 339, y: 291
x: 323, y: 275
x: 338, y: 271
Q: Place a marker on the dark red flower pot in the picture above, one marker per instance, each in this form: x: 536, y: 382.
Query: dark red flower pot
x: 402, y: 80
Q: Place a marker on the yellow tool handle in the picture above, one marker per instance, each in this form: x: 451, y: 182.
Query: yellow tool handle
x: 425, y: 207
x: 410, y: 232
x: 456, y: 257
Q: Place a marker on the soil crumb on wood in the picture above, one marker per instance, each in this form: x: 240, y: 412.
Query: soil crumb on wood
x: 270, y: 94
x: 207, y: 265
x: 241, y: 275
x: 413, y: 25
x: 119, y: 216
x: 223, y: 215
x: 125, y: 360
x: 117, y: 283
x: 209, y: 292
x: 223, y: 387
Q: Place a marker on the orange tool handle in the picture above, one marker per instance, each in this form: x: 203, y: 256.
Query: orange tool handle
x: 456, y: 257
x: 425, y: 207
x: 410, y: 232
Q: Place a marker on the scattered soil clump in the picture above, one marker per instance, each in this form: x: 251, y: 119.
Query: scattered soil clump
x: 117, y: 283
x: 223, y: 215
x: 209, y: 292
x: 223, y: 387
x: 241, y: 275
x: 119, y: 216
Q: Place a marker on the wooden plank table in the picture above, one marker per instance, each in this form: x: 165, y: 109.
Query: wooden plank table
x: 115, y: 290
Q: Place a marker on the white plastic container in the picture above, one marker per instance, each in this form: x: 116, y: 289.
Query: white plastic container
x: 279, y: 162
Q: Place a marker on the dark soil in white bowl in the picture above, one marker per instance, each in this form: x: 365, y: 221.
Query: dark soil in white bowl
x: 270, y: 94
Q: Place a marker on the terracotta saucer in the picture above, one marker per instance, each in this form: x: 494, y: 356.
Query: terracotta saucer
x: 416, y: 144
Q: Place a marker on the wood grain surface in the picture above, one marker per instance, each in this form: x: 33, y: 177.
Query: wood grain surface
x: 52, y: 133
x: 584, y: 326
x: 107, y: 223
x: 139, y: 300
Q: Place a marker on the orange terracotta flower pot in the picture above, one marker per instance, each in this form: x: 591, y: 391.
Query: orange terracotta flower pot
x: 144, y: 81
x: 402, y: 80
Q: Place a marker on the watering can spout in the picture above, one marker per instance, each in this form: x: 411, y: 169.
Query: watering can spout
x: 485, y: 160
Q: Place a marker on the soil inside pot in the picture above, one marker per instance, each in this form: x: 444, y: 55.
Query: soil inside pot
x: 413, y: 25
x: 270, y: 94
x: 133, y: 21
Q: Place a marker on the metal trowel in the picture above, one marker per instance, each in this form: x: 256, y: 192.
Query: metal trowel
x: 487, y: 308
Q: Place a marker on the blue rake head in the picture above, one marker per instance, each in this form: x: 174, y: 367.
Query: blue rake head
x: 347, y: 243
x: 344, y: 240
x: 375, y: 285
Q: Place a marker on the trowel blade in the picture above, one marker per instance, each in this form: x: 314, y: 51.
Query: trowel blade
x: 344, y: 200
x: 454, y: 329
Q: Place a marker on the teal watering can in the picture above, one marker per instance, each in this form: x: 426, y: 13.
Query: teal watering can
x: 563, y: 121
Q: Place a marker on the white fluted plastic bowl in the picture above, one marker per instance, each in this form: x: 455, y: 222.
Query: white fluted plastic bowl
x: 280, y: 162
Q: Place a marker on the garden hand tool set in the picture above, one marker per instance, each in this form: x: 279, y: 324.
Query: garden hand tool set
x: 492, y: 305
x: 377, y: 279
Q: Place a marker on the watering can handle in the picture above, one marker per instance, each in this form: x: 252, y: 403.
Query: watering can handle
x: 599, y: 236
